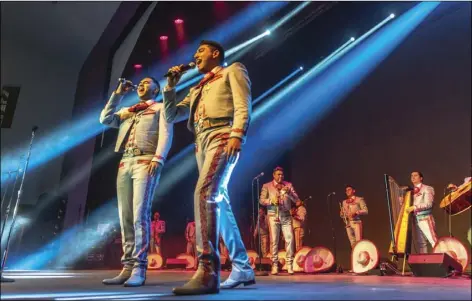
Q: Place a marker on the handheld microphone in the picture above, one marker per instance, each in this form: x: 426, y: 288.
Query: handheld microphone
x: 124, y: 81
x: 308, y: 198
x: 332, y: 193
x: 35, y: 128
x: 130, y: 84
x: 259, y: 175
x: 184, y: 68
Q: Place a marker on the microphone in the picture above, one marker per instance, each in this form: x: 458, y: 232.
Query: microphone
x: 184, y: 68
x: 332, y: 193
x: 259, y: 175
x: 35, y: 128
x: 308, y: 198
x: 124, y: 81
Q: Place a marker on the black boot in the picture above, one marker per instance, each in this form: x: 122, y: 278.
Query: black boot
x: 206, y: 279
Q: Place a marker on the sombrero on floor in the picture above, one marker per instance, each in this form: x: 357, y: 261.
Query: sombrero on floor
x: 299, y: 259
x: 364, y: 256
x: 318, y: 259
x: 155, y: 261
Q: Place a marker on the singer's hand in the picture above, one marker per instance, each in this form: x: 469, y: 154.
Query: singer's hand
x: 232, y: 149
x: 124, y: 88
x: 174, y: 79
x: 154, y: 166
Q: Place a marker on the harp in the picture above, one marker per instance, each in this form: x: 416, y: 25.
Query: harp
x: 398, y: 199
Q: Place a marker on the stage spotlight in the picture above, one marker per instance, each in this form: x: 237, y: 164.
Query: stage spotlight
x: 178, y: 21
x: 352, y: 38
x: 301, y: 68
x: 138, y: 66
x: 392, y: 16
x: 163, y: 38
x: 225, y: 64
x: 267, y: 32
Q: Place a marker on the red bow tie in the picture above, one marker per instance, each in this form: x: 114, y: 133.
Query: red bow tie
x: 207, y: 77
x: 138, y: 107
x: 416, y: 190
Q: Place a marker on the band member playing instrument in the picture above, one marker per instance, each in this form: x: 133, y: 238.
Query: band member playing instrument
x: 263, y: 226
x: 278, y: 195
x: 190, y: 236
x: 218, y: 111
x: 422, y: 208
x: 158, y: 228
x: 454, y: 187
x: 298, y: 221
x: 145, y: 138
x: 351, y: 210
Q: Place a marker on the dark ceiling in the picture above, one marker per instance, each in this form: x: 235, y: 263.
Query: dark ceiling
x: 313, y: 33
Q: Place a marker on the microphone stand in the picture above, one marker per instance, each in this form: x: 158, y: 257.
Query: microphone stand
x: 7, y: 210
x: 306, y: 208
x: 259, y: 271
x: 20, y: 190
x: 338, y: 267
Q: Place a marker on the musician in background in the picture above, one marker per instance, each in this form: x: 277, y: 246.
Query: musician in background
x: 158, y: 228
x: 263, y: 226
x: 278, y: 195
x: 422, y: 208
x: 454, y: 187
x: 352, y: 209
x: 298, y: 222
x: 191, y: 238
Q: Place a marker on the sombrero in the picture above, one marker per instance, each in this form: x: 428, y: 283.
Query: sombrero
x: 318, y: 259
x: 299, y: 259
x: 364, y: 256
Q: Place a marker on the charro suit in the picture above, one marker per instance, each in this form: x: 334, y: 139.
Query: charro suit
x: 279, y: 217
x: 357, y: 207
x: 425, y: 228
x: 218, y: 109
x: 143, y: 136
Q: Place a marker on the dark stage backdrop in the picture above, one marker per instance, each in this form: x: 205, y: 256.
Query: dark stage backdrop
x: 412, y: 113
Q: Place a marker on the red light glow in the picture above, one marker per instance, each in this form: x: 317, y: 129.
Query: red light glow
x: 178, y: 21
x: 163, y: 38
x: 138, y: 66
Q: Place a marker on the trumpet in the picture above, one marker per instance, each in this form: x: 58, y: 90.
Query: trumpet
x: 344, y: 217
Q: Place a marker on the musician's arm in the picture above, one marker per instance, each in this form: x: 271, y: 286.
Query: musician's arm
x: 264, y: 199
x: 363, y: 206
x: 293, y: 194
x: 342, y: 210
x: 301, y: 214
x: 429, y: 200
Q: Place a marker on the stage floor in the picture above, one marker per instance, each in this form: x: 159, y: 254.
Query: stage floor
x: 86, y: 285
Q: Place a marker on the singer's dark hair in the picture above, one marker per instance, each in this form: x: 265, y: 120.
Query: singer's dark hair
x: 215, y: 46
x: 350, y: 186
x: 420, y: 174
x: 278, y: 168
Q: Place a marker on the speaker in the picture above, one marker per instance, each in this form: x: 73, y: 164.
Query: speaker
x: 433, y: 265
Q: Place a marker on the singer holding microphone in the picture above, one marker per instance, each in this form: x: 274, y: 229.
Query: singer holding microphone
x: 144, y: 138
x: 218, y: 110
